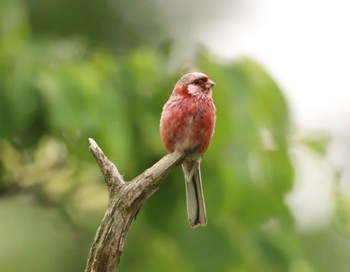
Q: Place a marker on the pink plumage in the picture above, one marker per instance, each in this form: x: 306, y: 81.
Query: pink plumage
x: 187, y: 124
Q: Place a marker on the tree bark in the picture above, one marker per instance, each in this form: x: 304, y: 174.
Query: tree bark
x: 125, y: 201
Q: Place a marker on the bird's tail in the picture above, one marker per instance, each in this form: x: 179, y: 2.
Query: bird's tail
x: 194, y: 194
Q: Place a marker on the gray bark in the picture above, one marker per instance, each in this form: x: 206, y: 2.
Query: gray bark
x: 125, y: 201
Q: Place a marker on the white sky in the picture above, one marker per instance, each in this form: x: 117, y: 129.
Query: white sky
x: 306, y: 47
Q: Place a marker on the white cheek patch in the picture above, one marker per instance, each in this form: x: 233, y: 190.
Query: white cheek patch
x: 193, y: 89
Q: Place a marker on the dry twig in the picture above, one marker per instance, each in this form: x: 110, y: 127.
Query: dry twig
x: 125, y: 201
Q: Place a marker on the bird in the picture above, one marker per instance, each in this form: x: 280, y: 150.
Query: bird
x: 187, y: 124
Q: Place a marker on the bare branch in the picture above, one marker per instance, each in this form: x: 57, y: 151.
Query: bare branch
x: 125, y: 201
x: 109, y: 170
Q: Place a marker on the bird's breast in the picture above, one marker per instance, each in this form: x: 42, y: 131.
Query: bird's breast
x: 188, y: 124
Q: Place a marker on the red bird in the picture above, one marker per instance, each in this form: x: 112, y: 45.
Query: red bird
x: 187, y: 124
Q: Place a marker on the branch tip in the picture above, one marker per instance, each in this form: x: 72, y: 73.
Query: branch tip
x: 93, y: 144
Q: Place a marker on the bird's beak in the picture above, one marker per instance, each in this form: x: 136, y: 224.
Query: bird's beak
x: 209, y: 84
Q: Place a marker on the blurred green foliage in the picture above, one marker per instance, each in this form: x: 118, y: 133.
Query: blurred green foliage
x: 56, y: 91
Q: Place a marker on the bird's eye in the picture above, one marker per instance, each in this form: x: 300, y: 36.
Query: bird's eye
x: 197, y: 81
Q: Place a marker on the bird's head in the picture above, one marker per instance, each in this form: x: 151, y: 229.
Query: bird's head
x: 193, y: 84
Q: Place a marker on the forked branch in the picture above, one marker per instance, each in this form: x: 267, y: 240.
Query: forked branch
x: 125, y: 201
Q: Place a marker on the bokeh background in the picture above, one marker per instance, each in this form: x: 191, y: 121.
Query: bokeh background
x: 275, y: 182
